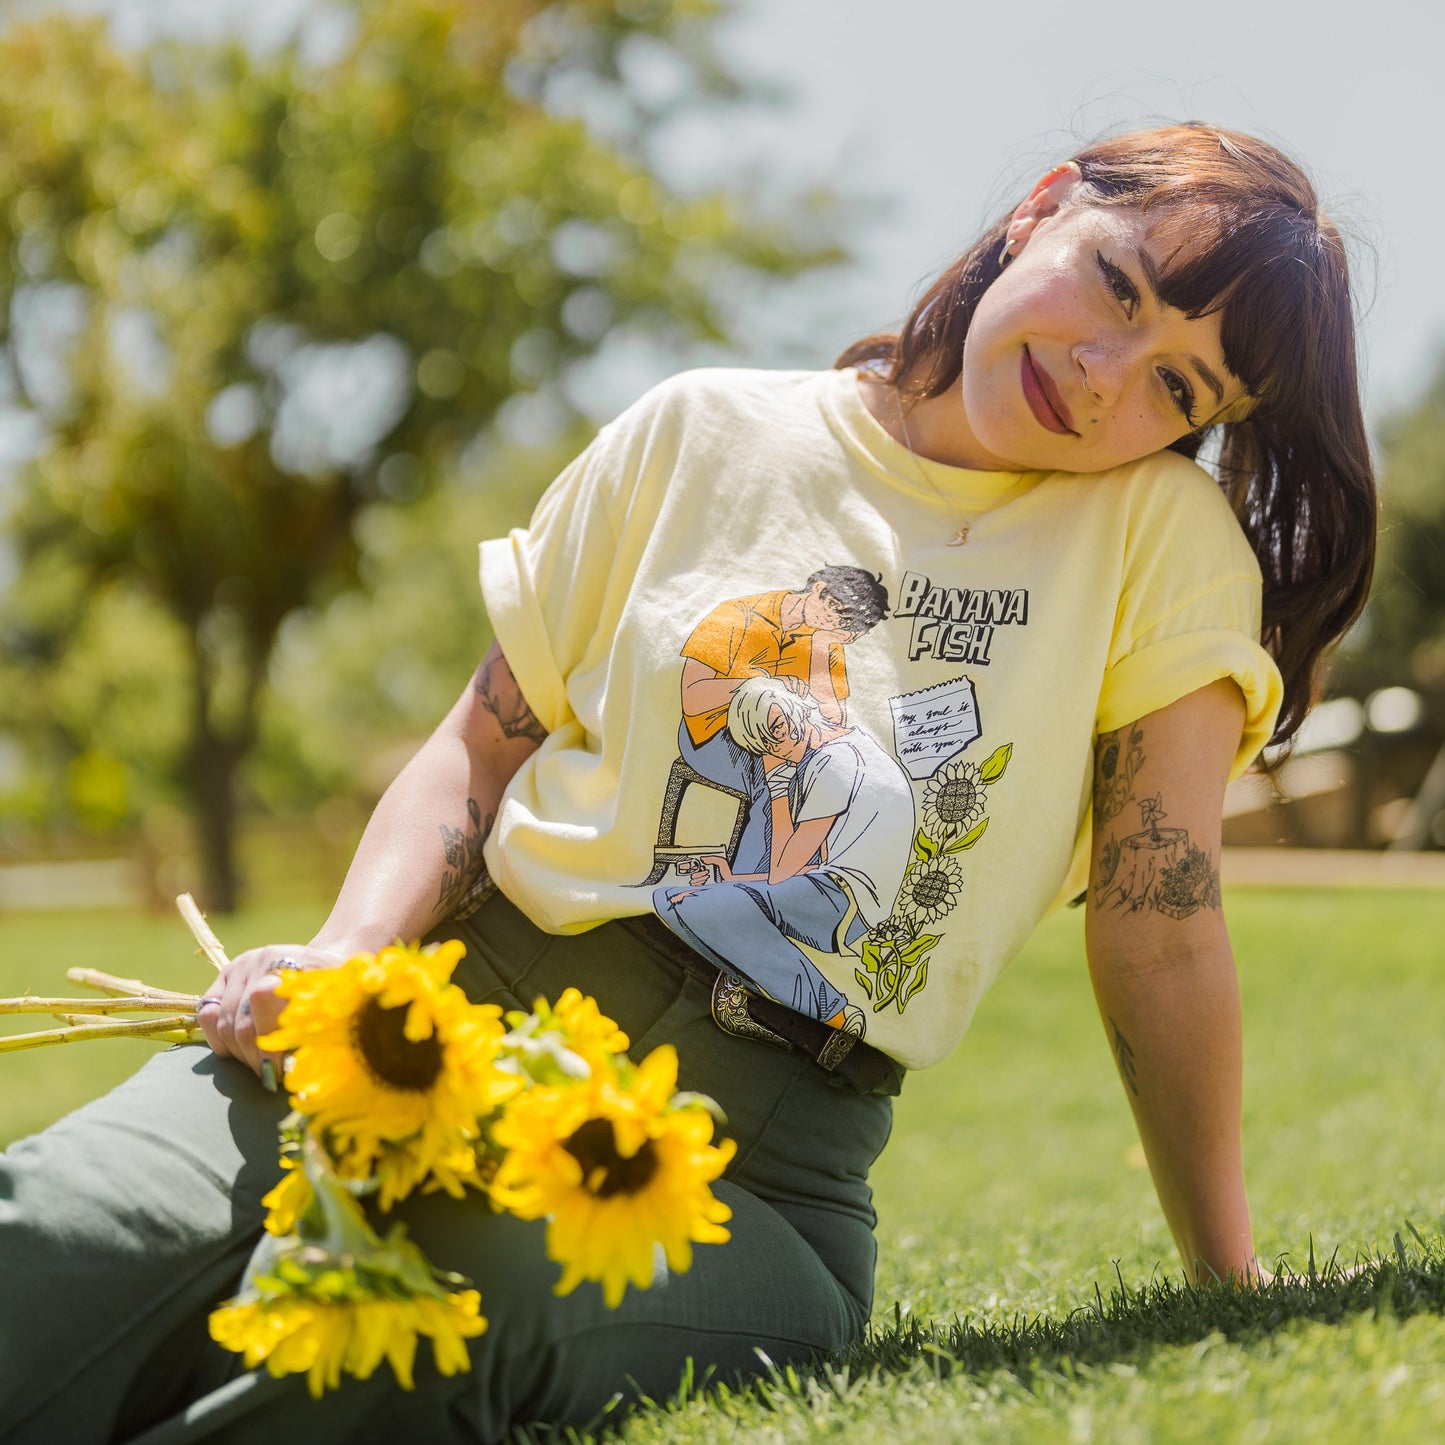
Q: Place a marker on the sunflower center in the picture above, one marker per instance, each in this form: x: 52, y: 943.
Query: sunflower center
x: 930, y: 889
x: 594, y: 1147
x: 955, y: 800
x: 412, y: 1065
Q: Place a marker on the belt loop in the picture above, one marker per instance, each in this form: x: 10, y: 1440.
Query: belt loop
x: 837, y: 1048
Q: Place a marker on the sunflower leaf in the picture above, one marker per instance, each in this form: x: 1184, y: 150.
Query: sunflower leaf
x: 924, y: 848
x: 960, y: 845
x: 920, y: 977
x: 992, y: 768
x: 864, y: 982
x: 917, y: 949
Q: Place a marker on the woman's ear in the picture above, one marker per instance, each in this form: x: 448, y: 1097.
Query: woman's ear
x: 1049, y: 193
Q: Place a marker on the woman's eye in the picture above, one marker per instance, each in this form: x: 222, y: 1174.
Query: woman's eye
x: 1118, y: 282
x: 1181, y: 392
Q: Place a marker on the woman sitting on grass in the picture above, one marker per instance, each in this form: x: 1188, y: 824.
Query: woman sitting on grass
x: 1035, y: 640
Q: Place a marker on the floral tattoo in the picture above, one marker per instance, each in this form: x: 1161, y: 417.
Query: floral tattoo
x: 500, y: 695
x: 1124, y: 1054
x: 465, y: 883
x: 1117, y: 760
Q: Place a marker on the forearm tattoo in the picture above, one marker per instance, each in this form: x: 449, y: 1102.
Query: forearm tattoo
x: 465, y: 883
x: 501, y: 697
x: 1156, y: 870
x: 1124, y: 1056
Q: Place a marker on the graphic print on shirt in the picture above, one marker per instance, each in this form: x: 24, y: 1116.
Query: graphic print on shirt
x: 823, y: 850
x: 931, y: 730
x: 811, y: 857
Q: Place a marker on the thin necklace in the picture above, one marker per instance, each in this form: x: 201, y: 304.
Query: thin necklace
x: 960, y: 537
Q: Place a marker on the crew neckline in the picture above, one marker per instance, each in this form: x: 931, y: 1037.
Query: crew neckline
x: 867, y: 438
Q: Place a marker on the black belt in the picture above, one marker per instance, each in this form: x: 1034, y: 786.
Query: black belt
x: 737, y: 1010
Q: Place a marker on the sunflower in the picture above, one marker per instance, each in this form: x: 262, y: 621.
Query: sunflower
x: 571, y: 1039
x: 619, y: 1169
x: 953, y: 800
x: 293, y: 1334
x: 930, y: 889
x: 289, y: 1200
x: 394, y: 1065
x: 333, y: 1296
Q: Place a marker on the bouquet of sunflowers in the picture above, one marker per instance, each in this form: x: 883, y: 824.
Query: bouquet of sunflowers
x: 399, y: 1082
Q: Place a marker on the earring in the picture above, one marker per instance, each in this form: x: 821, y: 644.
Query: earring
x: 1014, y: 237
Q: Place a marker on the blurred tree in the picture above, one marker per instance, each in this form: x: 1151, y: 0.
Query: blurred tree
x: 248, y: 299
x: 1401, y: 637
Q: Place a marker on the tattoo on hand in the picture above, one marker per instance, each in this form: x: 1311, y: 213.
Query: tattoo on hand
x: 1124, y: 1054
x: 465, y: 883
x: 1117, y: 761
x: 501, y: 697
x: 1156, y: 870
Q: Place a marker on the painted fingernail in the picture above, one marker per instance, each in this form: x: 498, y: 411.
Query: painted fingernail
x: 268, y: 1075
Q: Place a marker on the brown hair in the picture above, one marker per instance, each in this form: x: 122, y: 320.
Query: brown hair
x: 1243, y: 236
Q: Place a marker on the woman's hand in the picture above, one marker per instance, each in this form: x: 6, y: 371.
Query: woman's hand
x: 420, y: 853
x: 242, y: 1006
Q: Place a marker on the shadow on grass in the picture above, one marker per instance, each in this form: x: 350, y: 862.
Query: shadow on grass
x: 1125, y: 1327
x: 1128, y: 1325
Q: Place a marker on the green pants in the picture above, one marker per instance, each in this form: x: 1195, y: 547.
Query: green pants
x: 123, y: 1225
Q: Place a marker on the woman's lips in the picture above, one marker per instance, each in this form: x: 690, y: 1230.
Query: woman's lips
x: 1043, y: 398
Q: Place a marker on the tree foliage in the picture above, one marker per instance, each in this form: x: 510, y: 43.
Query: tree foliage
x: 248, y: 299
x: 1401, y: 638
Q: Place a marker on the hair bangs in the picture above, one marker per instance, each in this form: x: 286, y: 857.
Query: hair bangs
x: 1257, y: 267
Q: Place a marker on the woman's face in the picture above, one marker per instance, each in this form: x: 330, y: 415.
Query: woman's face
x: 1072, y: 363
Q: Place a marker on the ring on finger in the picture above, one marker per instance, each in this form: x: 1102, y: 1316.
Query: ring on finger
x: 208, y: 1001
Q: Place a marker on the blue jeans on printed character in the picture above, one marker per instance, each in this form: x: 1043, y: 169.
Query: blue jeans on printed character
x: 748, y: 928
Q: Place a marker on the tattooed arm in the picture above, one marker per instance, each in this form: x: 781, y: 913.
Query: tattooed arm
x: 422, y: 850
x: 1162, y: 968
x: 420, y: 855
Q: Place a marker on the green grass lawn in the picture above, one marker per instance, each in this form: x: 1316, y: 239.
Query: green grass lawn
x: 1014, y: 1204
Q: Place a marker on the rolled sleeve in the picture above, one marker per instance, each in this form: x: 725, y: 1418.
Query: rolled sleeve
x: 1214, y: 638
x: 510, y: 594
x: 544, y: 585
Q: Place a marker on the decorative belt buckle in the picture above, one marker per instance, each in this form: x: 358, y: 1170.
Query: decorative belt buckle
x: 730, y: 1012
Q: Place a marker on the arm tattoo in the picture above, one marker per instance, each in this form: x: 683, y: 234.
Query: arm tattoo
x: 1117, y: 760
x: 1156, y: 870
x: 501, y: 697
x: 1124, y: 1055
x: 465, y: 883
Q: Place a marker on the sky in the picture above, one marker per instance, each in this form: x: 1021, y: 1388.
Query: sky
x: 945, y: 112
x: 928, y: 117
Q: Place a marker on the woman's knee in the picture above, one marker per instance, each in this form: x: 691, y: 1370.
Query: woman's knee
x: 763, y: 1298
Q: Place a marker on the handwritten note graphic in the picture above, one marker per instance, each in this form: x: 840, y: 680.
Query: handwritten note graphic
x: 930, y: 726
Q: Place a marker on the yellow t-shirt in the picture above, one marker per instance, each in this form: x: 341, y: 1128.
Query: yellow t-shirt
x: 977, y: 677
